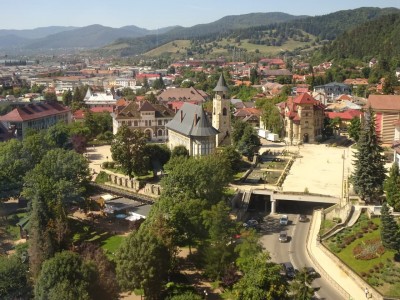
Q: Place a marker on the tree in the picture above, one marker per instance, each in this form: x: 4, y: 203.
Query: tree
x: 392, y: 187
x: 390, y: 234
x: 262, y: 281
x: 199, y: 178
x: 271, y: 117
x: 58, y: 135
x: 158, y: 83
x: 13, y: 280
x: 106, y: 287
x: 369, y: 170
x: 49, y: 96
x: 97, y: 123
x: 301, y: 288
x: 65, y: 277
x: 249, y: 142
x: 143, y: 262
x: 218, y: 251
x: 249, y: 247
x: 128, y: 149
x: 180, y: 151
x: 59, y: 179
x: 67, y: 97
x: 355, y: 128
x: 151, y: 98
x: 230, y: 154
x: 158, y: 155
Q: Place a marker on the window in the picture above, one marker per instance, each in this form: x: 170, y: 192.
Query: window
x: 159, y: 122
x: 224, y: 111
x: 135, y: 123
x: 129, y: 123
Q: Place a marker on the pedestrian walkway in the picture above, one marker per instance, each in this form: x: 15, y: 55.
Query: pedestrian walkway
x: 339, y: 277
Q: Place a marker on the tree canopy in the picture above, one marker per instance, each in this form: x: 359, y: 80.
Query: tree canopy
x: 143, y: 262
x: 65, y: 277
x: 369, y: 170
x: 128, y: 149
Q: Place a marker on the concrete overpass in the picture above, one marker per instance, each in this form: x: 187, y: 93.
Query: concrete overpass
x: 275, y: 196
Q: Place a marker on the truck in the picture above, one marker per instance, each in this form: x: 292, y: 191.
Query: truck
x: 263, y: 133
x: 273, y: 137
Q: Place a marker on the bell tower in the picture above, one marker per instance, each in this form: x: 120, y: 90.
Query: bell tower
x: 221, y: 117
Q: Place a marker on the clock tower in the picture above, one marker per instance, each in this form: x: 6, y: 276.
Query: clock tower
x: 221, y: 115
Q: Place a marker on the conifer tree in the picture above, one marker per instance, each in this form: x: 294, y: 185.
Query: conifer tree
x: 392, y: 187
x: 390, y: 230
x: 369, y: 173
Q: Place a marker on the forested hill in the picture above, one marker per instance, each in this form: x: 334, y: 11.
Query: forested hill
x: 259, y: 28
x: 332, y: 25
x: 377, y: 38
x: 213, y: 30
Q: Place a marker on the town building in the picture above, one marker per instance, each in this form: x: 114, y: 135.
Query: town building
x: 387, y: 113
x: 192, y: 129
x: 303, y: 119
x: 145, y: 116
x: 183, y: 94
x: 35, y: 116
x: 94, y: 99
x: 333, y: 90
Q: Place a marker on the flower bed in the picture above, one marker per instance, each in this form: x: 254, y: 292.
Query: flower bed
x: 369, y: 249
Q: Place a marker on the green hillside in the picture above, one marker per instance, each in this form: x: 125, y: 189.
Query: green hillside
x: 379, y: 38
x: 267, y: 33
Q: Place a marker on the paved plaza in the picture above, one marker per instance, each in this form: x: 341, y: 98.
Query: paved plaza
x: 319, y: 169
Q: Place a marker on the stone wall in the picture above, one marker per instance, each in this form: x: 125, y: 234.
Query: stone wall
x: 124, y: 182
x: 152, y: 189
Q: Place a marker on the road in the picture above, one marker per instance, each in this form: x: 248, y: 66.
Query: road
x: 294, y: 250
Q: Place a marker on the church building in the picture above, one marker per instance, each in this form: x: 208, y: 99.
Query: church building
x: 192, y: 128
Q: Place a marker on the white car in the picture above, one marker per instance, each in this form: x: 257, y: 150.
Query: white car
x: 283, y: 220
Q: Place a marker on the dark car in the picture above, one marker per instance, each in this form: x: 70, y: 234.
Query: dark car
x: 311, y: 271
x: 303, y: 218
x: 289, y: 270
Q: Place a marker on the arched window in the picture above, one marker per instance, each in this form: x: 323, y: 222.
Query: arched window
x: 224, y: 111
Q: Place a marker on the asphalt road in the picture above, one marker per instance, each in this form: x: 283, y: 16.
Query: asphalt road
x: 294, y: 250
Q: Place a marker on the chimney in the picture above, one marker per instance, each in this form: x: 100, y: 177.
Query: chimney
x: 181, y: 116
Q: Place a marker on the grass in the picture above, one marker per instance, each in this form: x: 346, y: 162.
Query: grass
x: 112, y: 243
x: 326, y: 225
x: 171, y: 47
x: 178, y: 47
x: 382, y: 272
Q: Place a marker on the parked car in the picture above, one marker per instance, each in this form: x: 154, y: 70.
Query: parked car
x: 283, y: 236
x: 289, y: 270
x: 311, y: 271
x: 303, y: 218
x: 283, y: 220
x: 251, y: 224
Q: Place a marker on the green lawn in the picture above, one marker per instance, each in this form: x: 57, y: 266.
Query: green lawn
x: 112, y: 243
x: 382, y: 272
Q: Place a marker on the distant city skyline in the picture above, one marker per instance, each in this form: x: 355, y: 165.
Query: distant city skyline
x: 153, y: 14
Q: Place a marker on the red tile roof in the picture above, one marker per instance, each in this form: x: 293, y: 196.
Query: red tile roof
x: 384, y: 102
x: 345, y: 115
x: 34, y: 111
x: 305, y: 99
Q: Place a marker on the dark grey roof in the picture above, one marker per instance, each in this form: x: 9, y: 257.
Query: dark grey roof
x: 191, y: 120
x: 221, y: 85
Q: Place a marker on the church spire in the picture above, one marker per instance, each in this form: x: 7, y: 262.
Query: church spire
x: 221, y: 85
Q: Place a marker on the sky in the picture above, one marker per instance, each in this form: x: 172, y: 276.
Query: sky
x: 153, y: 14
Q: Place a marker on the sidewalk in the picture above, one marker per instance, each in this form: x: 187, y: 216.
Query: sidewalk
x: 339, y: 277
